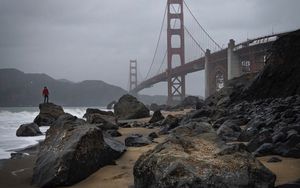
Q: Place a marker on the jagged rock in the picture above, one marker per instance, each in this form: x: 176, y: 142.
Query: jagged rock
x: 97, y: 111
x: 30, y: 129
x: 169, y: 123
x: 264, y: 149
x: 258, y: 140
x: 230, y: 130
x: 188, y: 158
x: 153, y: 135
x: 114, y: 133
x: 157, y: 116
x: 104, y: 120
x: 128, y: 107
x: 274, y: 160
x: 137, y: 140
x: 72, y: 151
x: 49, y: 113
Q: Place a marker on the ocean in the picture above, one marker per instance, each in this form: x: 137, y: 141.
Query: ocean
x: 10, y: 120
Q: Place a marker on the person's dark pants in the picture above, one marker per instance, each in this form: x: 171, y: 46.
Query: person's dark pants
x: 46, y: 98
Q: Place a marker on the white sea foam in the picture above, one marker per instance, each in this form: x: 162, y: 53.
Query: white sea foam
x: 12, y: 118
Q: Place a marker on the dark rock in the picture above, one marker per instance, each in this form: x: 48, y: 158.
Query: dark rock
x: 18, y: 156
x: 264, y: 149
x: 104, y: 120
x: 169, y: 123
x: 274, y: 160
x: 97, y: 111
x: 137, y: 141
x: 72, y: 151
x: 107, y: 122
x: 153, y: 135
x: 113, y: 133
x: 229, y: 131
x: 30, y: 129
x: 128, y: 107
x: 278, y: 137
x: 258, y: 140
x: 125, y: 125
x: 155, y: 107
x: 49, y: 113
x: 157, y: 116
x: 188, y: 159
x: 295, y: 184
x: 280, y: 76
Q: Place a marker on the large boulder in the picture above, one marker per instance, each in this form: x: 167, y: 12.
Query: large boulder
x: 194, y: 156
x: 128, y: 107
x: 73, y: 150
x: 30, y: 129
x: 49, y: 113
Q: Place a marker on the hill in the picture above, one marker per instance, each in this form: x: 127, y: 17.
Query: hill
x: 21, y: 89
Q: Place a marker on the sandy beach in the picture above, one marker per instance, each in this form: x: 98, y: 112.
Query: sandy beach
x: 17, y: 173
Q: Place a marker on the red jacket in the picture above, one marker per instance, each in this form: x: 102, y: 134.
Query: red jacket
x: 45, y: 92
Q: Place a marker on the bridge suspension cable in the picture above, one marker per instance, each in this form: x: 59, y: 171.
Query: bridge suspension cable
x: 201, y: 26
x: 158, y: 41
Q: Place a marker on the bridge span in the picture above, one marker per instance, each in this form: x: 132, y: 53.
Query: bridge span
x: 223, y: 65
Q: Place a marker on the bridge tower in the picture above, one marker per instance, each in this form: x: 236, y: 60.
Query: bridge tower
x: 176, y: 84
x: 132, y: 75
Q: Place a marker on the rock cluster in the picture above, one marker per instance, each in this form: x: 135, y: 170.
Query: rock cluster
x: 73, y: 150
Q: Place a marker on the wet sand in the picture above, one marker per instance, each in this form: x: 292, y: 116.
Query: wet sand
x: 288, y: 170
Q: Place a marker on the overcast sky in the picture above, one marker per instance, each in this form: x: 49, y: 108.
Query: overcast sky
x: 95, y: 39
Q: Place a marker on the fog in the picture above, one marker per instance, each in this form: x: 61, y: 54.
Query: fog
x: 95, y: 39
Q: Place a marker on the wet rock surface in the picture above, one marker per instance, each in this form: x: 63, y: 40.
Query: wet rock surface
x: 73, y: 150
x: 49, y: 113
x: 31, y: 129
x: 105, y: 120
x: 128, y: 107
x: 191, y: 157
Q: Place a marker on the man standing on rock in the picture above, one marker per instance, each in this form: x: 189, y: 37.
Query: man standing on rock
x: 46, y: 94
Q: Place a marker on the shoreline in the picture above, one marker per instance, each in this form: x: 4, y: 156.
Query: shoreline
x: 17, y: 173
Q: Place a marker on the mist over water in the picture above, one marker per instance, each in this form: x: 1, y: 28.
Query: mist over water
x: 12, y: 118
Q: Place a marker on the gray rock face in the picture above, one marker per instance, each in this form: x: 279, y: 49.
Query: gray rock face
x: 30, y: 129
x: 190, y: 158
x: 72, y: 151
x: 128, y: 107
x: 49, y: 113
